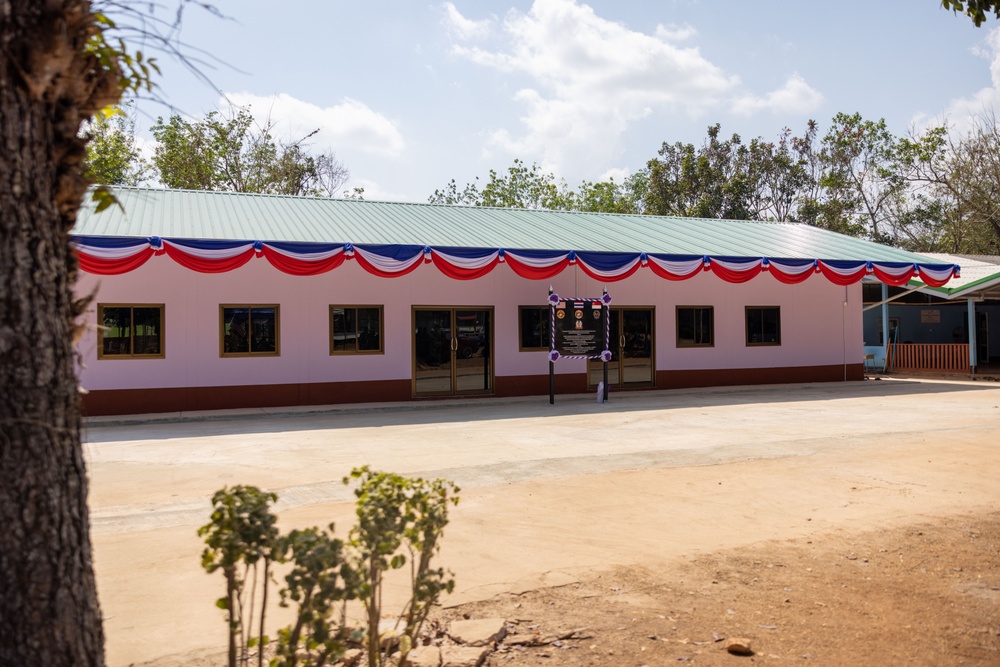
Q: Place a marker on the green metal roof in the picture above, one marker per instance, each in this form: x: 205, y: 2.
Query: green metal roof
x: 186, y: 214
x: 980, y: 277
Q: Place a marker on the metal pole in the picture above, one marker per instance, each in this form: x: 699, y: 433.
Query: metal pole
x: 885, y: 327
x: 607, y: 342
x: 552, y: 345
x: 552, y: 383
x: 605, y: 382
x: 972, y: 335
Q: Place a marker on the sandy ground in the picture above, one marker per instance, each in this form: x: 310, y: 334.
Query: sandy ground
x: 571, y: 497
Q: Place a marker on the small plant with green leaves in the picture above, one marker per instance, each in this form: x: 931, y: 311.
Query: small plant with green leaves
x: 320, y: 583
x: 241, y: 540
x: 397, y: 514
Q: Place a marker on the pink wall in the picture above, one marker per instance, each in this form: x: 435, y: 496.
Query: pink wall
x: 817, y: 329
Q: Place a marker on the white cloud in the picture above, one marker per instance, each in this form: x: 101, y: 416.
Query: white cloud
x: 675, y: 33
x: 796, y: 96
x: 462, y: 27
x: 350, y: 127
x: 590, y: 79
x: 961, y: 113
x: 619, y: 174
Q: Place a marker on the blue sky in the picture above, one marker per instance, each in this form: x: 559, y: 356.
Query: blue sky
x: 410, y: 95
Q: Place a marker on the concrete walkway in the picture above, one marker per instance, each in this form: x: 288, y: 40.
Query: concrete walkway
x: 548, y: 492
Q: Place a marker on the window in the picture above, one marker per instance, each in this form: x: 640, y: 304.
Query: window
x: 763, y: 325
x: 355, y: 329
x: 695, y: 326
x: 534, y: 323
x: 249, y: 330
x: 130, y: 331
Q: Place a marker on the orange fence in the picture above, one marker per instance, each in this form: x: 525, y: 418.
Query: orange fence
x: 929, y: 357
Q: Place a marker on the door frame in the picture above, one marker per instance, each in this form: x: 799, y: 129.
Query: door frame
x: 615, y: 345
x: 490, y: 349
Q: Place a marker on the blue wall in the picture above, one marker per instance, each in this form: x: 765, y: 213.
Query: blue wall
x: 951, y: 328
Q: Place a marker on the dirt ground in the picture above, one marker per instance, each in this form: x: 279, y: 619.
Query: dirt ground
x: 854, y: 524
x: 924, y: 594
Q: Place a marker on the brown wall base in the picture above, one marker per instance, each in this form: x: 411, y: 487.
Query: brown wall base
x: 187, y: 399
x: 739, y: 376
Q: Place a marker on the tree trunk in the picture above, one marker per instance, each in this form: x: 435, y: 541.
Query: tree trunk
x: 49, y: 613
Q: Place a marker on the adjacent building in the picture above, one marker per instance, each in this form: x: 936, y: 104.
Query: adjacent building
x: 937, y: 328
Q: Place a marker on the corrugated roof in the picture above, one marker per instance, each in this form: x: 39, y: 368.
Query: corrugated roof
x: 980, y: 276
x: 185, y: 214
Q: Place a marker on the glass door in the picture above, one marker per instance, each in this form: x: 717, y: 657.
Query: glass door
x: 473, y: 370
x: 452, y: 351
x: 637, y: 347
x: 631, y: 346
x: 595, y: 367
x: 432, y: 356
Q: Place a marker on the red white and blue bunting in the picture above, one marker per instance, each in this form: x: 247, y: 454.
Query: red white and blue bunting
x: 112, y: 255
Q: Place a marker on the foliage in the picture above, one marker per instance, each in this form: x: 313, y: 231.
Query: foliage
x: 521, y: 187
x: 319, y: 579
x: 711, y: 181
x: 112, y: 155
x: 937, y: 192
x: 235, y: 154
x: 609, y: 196
x: 862, y: 174
x: 241, y: 535
x: 132, y: 71
x: 728, y: 178
x: 397, y: 513
x: 531, y: 188
x: 451, y: 196
x: 974, y: 9
x: 959, y: 180
x: 400, y: 520
x: 779, y: 176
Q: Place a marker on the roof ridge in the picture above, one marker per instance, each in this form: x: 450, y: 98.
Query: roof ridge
x: 269, y: 195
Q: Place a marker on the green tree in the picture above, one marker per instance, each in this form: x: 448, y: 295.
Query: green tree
x: 810, y: 206
x: 714, y: 180
x: 973, y: 186
x: 863, y: 173
x: 60, y: 65
x: 112, y: 155
x: 452, y: 196
x: 528, y: 187
x: 609, y: 196
x: 235, y: 154
x: 958, y: 177
x: 521, y: 187
x: 397, y: 514
x: 319, y: 581
x: 974, y: 9
x: 778, y: 178
x: 242, y: 540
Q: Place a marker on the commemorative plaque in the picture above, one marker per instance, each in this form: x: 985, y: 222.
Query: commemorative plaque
x: 580, y: 330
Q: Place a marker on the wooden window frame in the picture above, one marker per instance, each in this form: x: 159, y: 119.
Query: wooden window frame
x: 545, y: 340
x: 677, y: 322
x: 746, y: 320
x: 355, y: 307
x: 101, y: 354
x: 250, y: 307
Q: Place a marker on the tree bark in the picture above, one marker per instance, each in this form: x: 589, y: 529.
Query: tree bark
x: 49, y: 614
